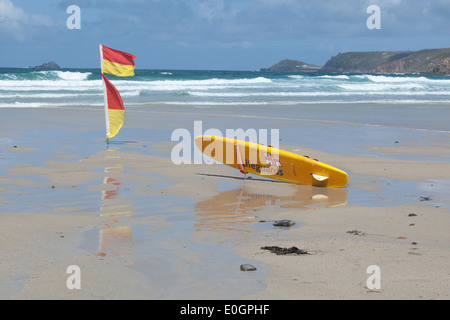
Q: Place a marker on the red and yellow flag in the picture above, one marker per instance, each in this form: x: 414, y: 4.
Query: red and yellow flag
x: 117, y: 62
x: 114, y: 109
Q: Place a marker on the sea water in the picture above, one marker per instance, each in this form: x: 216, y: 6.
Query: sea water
x: 414, y: 101
x: 83, y: 87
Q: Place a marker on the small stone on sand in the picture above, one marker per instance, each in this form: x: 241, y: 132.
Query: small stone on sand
x: 284, y: 223
x: 247, y: 267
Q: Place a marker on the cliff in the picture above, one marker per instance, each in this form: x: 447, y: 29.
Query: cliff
x: 429, y: 61
x: 443, y: 67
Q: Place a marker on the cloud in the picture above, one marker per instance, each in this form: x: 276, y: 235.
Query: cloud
x: 239, y: 21
x: 248, y: 21
x: 16, y: 22
x: 244, y: 28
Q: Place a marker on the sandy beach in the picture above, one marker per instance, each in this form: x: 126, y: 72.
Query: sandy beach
x: 140, y: 227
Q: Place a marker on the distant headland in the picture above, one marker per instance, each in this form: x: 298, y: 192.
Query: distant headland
x: 47, y: 66
x: 288, y: 65
x: 428, y: 61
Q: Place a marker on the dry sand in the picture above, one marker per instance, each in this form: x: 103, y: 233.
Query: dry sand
x: 71, y: 206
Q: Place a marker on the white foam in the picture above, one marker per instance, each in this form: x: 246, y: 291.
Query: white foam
x: 311, y: 94
x: 184, y: 85
x: 73, y: 76
x: 64, y: 75
x: 303, y: 102
x: 49, y: 95
x: 392, y: 79
x: 338, y: 77
x: 381, y: 87
x: 50, y: 85
x: 47, y: 104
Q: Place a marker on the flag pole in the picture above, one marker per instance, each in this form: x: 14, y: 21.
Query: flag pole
x: 105, y: 99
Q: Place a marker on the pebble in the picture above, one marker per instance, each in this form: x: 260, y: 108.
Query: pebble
x: 284, y: 223
x: 412, y: 215
x: 247, y: 267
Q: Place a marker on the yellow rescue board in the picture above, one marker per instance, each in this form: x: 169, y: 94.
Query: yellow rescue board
x: 270, y: 162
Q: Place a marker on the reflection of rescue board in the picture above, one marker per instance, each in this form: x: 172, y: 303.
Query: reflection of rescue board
x: 270, y: 162
x: 251, y: 196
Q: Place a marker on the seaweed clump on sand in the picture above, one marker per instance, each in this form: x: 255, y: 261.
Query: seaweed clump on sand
x: 285, y: 251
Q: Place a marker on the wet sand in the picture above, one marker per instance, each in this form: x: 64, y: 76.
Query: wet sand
x: 140, y: 227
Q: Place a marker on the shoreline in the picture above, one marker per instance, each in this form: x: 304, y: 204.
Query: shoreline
x: 181, y: 232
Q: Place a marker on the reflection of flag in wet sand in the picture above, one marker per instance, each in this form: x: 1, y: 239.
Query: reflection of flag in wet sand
x: 233, y: 210
x: 115, y: 239
x: 110, y: 194
x: 118, y: 240
x: 112, y: 205
x: 225, y: 213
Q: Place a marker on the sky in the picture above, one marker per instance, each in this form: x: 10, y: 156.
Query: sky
x: 215, y: 34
